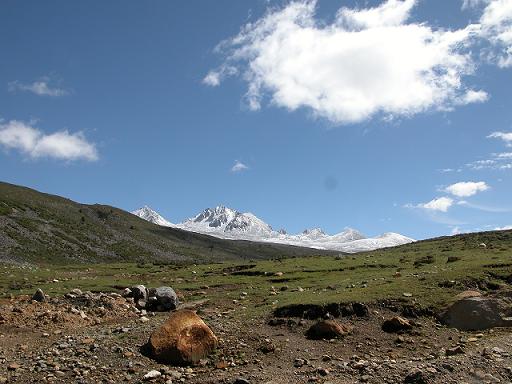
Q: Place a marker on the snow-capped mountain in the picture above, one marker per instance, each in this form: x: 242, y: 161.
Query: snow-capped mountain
x: 152, y: 216
x: 228, y: 223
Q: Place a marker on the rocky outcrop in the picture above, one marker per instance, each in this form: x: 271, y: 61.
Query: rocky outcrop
x: 182, y: 340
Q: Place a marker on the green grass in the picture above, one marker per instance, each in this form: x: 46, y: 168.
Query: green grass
x: 366, y: 277
x: 101, y: 248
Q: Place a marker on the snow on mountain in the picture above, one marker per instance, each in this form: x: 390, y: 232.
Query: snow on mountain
x: 228, y: 223
x: 152, y: 216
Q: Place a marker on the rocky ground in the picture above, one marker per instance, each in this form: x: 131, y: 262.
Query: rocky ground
x: 97, y: 338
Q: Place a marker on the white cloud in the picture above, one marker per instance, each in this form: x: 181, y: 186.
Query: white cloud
x: 390, y: 13
x: 466, y: 4
x: 503, y: 155
x: 41, y: 87
x: 36, y: 144
x: 466, y: 188
x: 484, y: 208
x: 472, y: 96
x: 505, y: 136
x: 367, y: 62
x: 505, y: 228
x: 496, y: 23
x: 440, y: 204
x: 214, y: 78
x: 239, y: 167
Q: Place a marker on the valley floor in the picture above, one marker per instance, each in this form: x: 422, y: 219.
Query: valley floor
x: 96, y: 336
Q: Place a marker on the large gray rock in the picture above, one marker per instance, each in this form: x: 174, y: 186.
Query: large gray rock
x: 473, y: 313
x: 166, y: 298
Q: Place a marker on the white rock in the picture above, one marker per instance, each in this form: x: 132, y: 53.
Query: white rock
x: 152, y: 375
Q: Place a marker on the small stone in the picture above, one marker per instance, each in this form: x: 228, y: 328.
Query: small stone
x: 13, y: 367
x: 299, y: 363
x: 39, y: 296
x: 151, y: 375
x: 241, y: 381
x: 457, y: 350
x: 407, y: 294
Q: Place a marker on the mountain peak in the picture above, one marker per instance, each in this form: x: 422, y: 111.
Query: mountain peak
x: 147, y: 213
x: 314, y: 233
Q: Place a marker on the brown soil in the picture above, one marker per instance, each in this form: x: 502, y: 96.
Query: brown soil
x: 52, y: 342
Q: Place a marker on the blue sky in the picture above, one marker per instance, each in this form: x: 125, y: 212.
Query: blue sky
x: 327, y: 114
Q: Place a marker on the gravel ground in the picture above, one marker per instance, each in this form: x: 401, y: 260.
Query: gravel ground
x: 97, y: 338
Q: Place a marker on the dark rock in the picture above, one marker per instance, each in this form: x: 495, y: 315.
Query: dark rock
x: 346, y: 310
x: 360, y: 309
x: 39, y: 296
x: 396, y: 324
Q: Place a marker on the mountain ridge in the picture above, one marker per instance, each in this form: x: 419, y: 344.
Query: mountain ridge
x: 225, y: 222
x: 40, y: 228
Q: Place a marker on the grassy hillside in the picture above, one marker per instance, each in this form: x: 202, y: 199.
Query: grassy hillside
x: 42, y: 228
x: 429, y: 272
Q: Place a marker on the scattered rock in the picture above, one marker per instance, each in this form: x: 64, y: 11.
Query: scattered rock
x: 327, y: 329
x: 183, y: 339
x: 396, y: 324
x: 241, y: 381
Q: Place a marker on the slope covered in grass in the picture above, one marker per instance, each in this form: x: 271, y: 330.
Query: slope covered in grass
x: 430, y: 272
x: 41, y: 228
